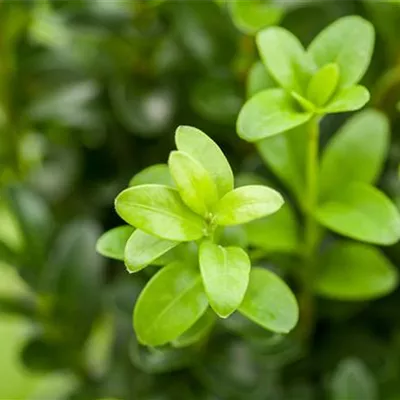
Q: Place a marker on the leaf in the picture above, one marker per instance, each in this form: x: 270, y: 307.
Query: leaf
x: 285, y: 156
x: 353, y: 381
x: 285, y: 58
x: 323, y: 84
x: 251, y: 16
x: 258, y: 79
x: 157, y: 173
x: 247, y: 203
x: 361, y: 212
x: 203, y: 149
x: 278, y: 232
x: 269, y: 302
x: 225, y: 273
x: 196, y: 332
x: 268, y: 113
x: 142, y: 249
x: 355, y: 271
x: 360, y: 148
x: 348, y: 99
x: 195, y: 185
x: 112, y: 243
x: 171, y: 302
x: 158, y: 210
x: 348, y: 42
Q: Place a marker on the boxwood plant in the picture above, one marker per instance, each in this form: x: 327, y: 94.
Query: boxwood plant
x: 184, y: 213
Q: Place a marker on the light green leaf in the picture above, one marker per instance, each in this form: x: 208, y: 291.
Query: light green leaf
x: 196, y: 332
x: 348, y: 99
x: 142, y: 249
x: 360, y: 148
x: 285, y: 58
x: 355, y: 271
x: 323, y: 84
x: 258, y: 79
x: 225, y: 272
x: 361, y: 212
x: 158, y: 210
x: 247, y: 203
x: 348, y: 42
x: 203, y: 149
x: 157, y: 173
x: 268, y: 113
x: 252, y: 15
x: 275, y: 233
x: 112, y: 243
x: 195, y: 185
x: 269, y: 302
x: 285, y: 156
x: 171, y: 302
x: 353, y: 381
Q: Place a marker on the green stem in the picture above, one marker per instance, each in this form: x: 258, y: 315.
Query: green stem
x: 311, y: 229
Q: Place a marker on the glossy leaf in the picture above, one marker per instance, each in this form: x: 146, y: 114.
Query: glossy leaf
x: 195, y: 185
x: 361, y: 212
x: 348, y: 42
x: 285, y: 58
x: 225, y: 273
x: 172, y: 301
x: 203, y: 149
x: 355, y: 271
x: 268, y: 113
x: 323, y: 84
x: 142, y: 249
x: 112, y: 243
x: 348, y: 99
x: 258, y: 79
x: 269, y: 302
x: 247, y: 203
x: 196, y: 332
x: 157, y: 173
x: 278, y: 232
x: 158, y: 210
x: 360, y: 148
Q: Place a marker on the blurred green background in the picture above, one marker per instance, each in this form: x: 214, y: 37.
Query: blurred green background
x: 91, y: 92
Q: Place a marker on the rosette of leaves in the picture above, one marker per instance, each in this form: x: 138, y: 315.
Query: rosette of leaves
x: 182, y: 213
x: 292, y: 85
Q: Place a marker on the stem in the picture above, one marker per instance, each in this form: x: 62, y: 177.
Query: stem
x: 311, y: 230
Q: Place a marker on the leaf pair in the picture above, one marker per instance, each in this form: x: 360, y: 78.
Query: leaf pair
x: 298, y: 84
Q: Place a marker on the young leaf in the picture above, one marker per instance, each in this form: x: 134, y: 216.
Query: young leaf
x: 203, y: 149
x: 275, y: 233
x: 225, y: 272
x: 348, y: 99
x: 194, y: 183
x: 359, y: 147
x: 253, y: 15
x: 171, y: 302
x: 285, y: 58
x: 268, y: 113
x: 285, y: 156
x: 323, y: 84
x: 157, y: 173
x: 258, y: 79
x: 112, y: 243
x: 361, y: 212
x: 247, y: 203
x: 159, y: 211
x: 355, y: 271
x: 348, y: 42
x: 269, y: 302
x: 196, y: 332
x: 142, y: 249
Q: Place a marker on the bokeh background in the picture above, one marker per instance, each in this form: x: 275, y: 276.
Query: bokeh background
x: 91, y: 92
